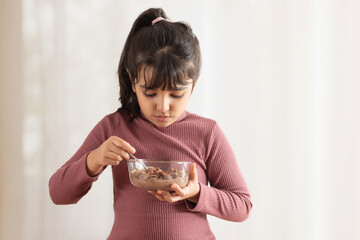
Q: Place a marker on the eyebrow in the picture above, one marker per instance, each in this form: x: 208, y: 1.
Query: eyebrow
x: 177, y: 89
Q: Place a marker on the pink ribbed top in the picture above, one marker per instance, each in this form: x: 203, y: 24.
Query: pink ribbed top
x: 138, y: 214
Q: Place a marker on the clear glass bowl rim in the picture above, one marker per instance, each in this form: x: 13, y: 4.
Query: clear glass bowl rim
x: 159, y: 161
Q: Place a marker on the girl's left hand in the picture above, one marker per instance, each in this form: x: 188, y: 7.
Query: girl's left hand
x: 190, y: 191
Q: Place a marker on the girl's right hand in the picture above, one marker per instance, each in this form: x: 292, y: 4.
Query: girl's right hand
x: 111, y: 152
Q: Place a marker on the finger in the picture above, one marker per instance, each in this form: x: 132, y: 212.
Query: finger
x: 120, y: 152
x: 109, y: 161
x: 164, y: 194
x: 157, y: 195
x: 121, y: 143
x: 113, y: 156
x: 168, y: 197
x: 177, y: 190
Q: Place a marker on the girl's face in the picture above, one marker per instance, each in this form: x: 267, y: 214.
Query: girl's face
x: 162, y: 107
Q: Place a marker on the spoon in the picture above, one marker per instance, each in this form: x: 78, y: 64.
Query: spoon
x: 136, y: 159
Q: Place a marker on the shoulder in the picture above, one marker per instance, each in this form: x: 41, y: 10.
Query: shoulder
x: 210, y: 127
x: 115, y: 117
x: 204, y: 123
x: 110, y: 121
x: 196, y: 117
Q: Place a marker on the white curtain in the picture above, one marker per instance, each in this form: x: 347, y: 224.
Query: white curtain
x: 281, y: 77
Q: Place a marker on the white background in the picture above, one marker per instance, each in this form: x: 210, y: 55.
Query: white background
x: 282, y: 77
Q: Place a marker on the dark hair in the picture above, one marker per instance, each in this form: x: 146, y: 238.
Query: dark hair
x: 169, y: 49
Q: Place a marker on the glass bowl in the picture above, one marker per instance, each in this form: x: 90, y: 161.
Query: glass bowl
x: 158, y: 175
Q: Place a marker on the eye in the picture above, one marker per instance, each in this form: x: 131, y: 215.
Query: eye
x: 177, y: 96
x: 149, y: 94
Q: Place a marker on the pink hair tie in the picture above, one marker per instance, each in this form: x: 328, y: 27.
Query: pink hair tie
x: 158, y: 19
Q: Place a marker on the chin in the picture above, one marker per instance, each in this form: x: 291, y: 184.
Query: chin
x: 162, y: 124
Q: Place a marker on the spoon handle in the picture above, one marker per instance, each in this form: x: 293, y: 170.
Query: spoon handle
x: 135, y: 158
x: 132, y: 156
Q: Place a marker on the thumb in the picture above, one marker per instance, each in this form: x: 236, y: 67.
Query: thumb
x: 193, y: 172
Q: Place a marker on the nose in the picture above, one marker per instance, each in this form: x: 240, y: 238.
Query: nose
x: 163, y: 104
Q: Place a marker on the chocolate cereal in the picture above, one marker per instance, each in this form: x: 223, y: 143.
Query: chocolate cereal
x: 154, y: 178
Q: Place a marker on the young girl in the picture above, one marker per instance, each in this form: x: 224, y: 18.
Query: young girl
x: 158, y: 69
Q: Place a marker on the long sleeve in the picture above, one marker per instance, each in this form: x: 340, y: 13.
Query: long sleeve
x: 227, y: 197
x: 71, y: 182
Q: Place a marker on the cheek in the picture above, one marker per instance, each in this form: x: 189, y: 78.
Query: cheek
x: 145, y: 103
x: 142, y: 100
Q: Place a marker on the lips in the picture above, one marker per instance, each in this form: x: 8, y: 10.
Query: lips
x: 162, y: 118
